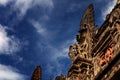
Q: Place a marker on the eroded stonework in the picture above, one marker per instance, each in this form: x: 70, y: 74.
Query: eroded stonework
x: 37, y: 74
x: 96, y: 54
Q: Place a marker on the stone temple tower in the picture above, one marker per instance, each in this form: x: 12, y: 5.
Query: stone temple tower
x: 37, y: 74
x: 80, y: 52
x: 96, y: 53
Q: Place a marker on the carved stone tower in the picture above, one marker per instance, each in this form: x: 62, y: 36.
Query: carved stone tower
x: 37, y: 73
x: 80, y: 52
x: 96, y: 54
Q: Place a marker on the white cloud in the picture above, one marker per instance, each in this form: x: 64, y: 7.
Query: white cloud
x: 10, y: 73
x: 4, y: 2
x: 8, y: 44
x: 39, y: 28
x: 22, y: 6
x: 108, y: 8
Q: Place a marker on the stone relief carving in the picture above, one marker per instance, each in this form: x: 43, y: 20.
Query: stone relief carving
x: 107, y: 55
x: 114, y: 15
x: 78, y: 49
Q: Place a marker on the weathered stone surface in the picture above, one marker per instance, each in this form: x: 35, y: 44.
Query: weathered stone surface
x: 96, y: 54
x: 37, y: 74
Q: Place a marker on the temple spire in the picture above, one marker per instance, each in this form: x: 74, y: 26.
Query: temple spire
x: 37, y: 73
x: 88, y: 18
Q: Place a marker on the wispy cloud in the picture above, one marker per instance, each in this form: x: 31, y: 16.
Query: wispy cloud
x: 43, y: 30
x: 39, y: 28
x: 22, y: 6
x: 8, y: 44
x: 44, y: 3
x: 108, y: 8
x: 62, y: 51
x: 56, y: 54
x: 10, y: 73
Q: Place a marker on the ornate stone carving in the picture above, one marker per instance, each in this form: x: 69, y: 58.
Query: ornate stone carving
x: 96, y: 54
x: 114, y: 15
x: 107, y: 55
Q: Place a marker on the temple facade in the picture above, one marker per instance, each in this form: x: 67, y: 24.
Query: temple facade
x: 96, y: 54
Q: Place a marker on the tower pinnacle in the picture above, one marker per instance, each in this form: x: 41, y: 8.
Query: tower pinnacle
x: 88, y: 18
x: 37, y: 73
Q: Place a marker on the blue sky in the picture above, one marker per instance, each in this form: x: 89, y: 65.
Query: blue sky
x: 39, y: 32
